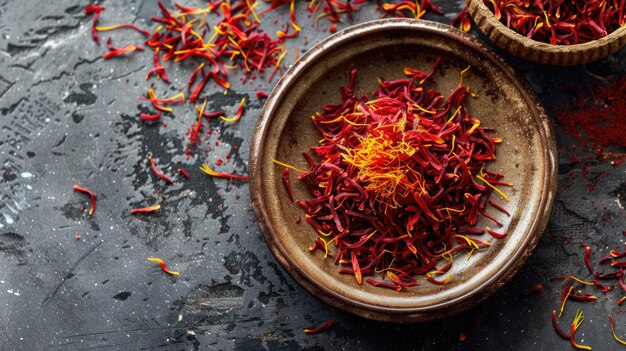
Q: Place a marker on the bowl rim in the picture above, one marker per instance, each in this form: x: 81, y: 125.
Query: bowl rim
x: 485, y: 20
x: 389, y: 313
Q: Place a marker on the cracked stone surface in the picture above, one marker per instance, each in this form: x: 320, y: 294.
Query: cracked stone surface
x: 68, y: 117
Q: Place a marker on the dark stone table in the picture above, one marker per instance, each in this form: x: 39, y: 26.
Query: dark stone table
x: 68, y: 117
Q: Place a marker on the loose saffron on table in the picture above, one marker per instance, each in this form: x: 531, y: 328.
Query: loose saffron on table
x: 560, y: 22
x: 158, y: 172
x: 163, y: 265
x: 228, y: 36
x: 321, y: 328
x: 91, y: 194
x: 401, y: 181
x: 578, y: 321
x: 145, y: 209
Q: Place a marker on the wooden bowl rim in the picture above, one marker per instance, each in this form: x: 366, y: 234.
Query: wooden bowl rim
x: 481, y: 13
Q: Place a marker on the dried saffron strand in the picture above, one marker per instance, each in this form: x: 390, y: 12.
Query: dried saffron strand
x: 394, y: 188
x: 564, y: 297
x: 558, y: 329
x: 96, y: 11
x: 382, y: 284
x: 534, y: 290
x: 321, y: 328
x: 583, y: 298
x: 616, y: 254
x: 237, y: 116
x: 145, y: 209
x: 495, y: 234
x: 356, y: 269
x: 91, y: 195
x: 621, y: 301
x: 149, y: 117
x: 462, y: 20
x: 288, y: 166
x: 123, y: 25
x: 205, y: 168
x: 499, y: 208
x: 156, y: 101
x: 578, y: 320
x: 163, y: 265
x: 573, y: 278
x: 158, y: 172
x: 613, y: 330
x: 287, y: 183
x: 183, y: 172
x: 115, y: 51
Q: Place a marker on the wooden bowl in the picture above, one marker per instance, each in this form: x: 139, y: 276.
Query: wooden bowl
x: 381, y: 49
x: 540, y: 52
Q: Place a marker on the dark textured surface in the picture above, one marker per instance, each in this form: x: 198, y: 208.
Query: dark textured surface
x: 67, y: 117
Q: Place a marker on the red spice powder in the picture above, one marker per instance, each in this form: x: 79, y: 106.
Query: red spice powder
x: 600, y: 123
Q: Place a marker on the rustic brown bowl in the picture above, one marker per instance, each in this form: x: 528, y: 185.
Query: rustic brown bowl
x: 540, y: 52
x: 381, y: 49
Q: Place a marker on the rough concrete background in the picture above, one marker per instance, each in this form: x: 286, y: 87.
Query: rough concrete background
x: 68, y: 117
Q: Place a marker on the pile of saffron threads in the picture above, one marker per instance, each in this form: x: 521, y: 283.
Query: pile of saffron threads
x: 560, y: 22
x: 401, y: 181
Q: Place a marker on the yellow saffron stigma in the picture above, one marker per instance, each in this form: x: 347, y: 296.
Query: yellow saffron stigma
x: 379, y: 162
x: 205, y: 168
x: 462, y: 73
x: 493, y: 187
x: 574, y: 278
x: 288, y: 166
x: 614, y: 334
x: 578, y: 320
x: 569, y: 292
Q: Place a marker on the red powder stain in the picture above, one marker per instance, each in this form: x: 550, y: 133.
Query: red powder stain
x: 219, y: 161
x: 600, y: 123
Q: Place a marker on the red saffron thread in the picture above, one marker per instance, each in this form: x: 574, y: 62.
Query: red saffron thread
x: 534, y: 290
x: 145, y: 209
x: 321, y: 328
x: 183, y: 172
x: 158, y: 172
x: 287, y: 183
x: 96, y: 11
x: 115, y: 51
x: 149, y: 117
x: 92, y: 196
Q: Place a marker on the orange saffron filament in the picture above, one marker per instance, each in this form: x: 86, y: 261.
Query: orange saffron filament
x: 163, y: 265
x: 206, y: 169
x: 145, y: 209
x: 321, y: 328
x: 578, y: 320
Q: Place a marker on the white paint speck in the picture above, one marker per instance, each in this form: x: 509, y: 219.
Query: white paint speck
x: 7, y: 218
